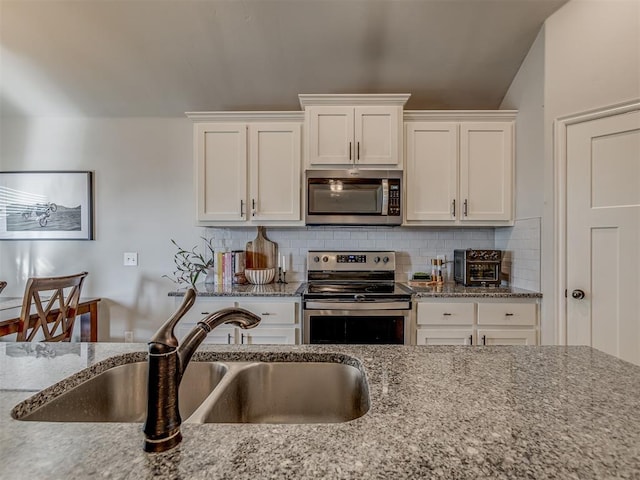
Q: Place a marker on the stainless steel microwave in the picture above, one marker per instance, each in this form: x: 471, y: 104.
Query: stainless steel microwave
x: 354, y: 197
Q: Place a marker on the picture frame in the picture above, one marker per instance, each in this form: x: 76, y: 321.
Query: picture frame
x: 46, y: 205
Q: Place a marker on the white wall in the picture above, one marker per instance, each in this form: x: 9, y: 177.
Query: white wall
x: 526, y: 94
x: 143, y: 198
x: 591, y: 60
x: 523, y: 240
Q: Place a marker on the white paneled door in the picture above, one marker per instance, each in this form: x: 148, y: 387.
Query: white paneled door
x: 603, y: 234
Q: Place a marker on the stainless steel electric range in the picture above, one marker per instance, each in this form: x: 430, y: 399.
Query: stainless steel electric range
x: 352, y: 298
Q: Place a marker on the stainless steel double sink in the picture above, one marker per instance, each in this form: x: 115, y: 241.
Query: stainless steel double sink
x: 219, y: 392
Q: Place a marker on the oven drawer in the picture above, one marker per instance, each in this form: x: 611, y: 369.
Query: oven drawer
x: 507, y: 314
x: 445, y: 313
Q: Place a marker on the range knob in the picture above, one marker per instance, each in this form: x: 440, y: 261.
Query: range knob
x: 376, y: 259
x: 325, y: 259
x: 385, y: 260
x: 316, y: 259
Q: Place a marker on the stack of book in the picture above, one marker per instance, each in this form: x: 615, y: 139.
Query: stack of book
x: 227, y: 265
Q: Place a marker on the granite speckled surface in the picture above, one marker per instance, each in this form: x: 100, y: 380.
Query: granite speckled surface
x: 293, y: 289
x: 452, y: 290
x: 436, y: 412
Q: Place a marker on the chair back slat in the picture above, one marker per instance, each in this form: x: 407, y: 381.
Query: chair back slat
x: 36, y: 317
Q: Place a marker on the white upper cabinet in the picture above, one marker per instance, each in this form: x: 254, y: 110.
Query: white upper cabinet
x: 247, y: 172
x: 274, y: 171
x: 432, y: 171
x: 486, y: 171
x: 459, y: 172
x: 348, y: 131
x: 221, y: 166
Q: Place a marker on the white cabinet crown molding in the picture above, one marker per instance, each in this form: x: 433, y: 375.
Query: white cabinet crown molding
x: 398, y: 99
x: 197, y: 117
x: 460, y: 115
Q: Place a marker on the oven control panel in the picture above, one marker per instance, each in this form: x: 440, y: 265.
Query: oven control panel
x: 350, y: 258
x: 351, y: 261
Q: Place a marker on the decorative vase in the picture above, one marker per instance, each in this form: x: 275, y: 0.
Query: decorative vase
x: 261, y: 252
x: 211, y: 275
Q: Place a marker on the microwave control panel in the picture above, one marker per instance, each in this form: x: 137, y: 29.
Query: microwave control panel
x: 394, y: 197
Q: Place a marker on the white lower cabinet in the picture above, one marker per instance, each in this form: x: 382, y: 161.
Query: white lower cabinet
x: 280, y: 324
x: 479, y: 322
x: 443, y: 336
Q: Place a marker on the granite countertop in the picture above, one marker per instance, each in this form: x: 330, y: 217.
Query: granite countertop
x: 295, y: 289
x: 454, y: 290
x: 436, y: 412
x: 292, y: 289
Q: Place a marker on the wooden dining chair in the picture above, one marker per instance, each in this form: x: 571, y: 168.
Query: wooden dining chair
x: 49, y: 306
x: 2, y: 285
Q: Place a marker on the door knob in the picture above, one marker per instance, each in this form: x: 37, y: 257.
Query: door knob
x: 577, y: 294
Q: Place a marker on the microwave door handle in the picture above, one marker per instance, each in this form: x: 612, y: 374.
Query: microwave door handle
x: 385, y: 197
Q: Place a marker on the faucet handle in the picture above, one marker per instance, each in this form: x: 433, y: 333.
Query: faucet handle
x: 164, y: 340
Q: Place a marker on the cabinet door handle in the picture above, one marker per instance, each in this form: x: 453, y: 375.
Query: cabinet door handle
x: 241, y: 208
x: 265, y: 313
x: 242, y: 338
x: 228, y: 339
x: 465, y: 207
x: 453, y: 208
x: 508, y: 314
x: 445, y: 314
x: 358, y: 157
x: 253, y: 207
x: 204, y: 313
x: 484, y: 339
x: 349, y: 151
x: 471, y: 339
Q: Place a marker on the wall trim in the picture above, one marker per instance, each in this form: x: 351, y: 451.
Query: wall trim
x: 460, y: 115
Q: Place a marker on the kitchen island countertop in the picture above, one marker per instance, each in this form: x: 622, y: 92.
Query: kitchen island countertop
x: 436, y: 412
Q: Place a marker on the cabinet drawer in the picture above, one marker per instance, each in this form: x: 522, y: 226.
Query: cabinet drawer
x: 278, y: 312
x: 202, y: 308
x: 507, y: 337
x: 433, y: 336
x: 270, y: 336
x: 507, y: 314
x: 222, y: 335
x: 445, y: 313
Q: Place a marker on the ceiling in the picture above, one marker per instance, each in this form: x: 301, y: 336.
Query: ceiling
x: 167, y: 57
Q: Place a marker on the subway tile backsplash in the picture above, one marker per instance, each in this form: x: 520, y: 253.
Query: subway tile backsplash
x: 522, y: 244
x: 414, y: 246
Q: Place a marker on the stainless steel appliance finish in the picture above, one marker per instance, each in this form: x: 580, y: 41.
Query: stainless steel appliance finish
x: 221, y: 392
x: 354, y: 197
x: 288, y: 392
x: 479, y: 268
x: 120, y: 395
x: 352, y: 297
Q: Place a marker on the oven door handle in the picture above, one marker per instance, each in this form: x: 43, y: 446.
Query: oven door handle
x: 340, y: 305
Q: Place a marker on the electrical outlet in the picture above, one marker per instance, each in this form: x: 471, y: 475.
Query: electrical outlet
x: 131, y: 259
x: 128, y: 336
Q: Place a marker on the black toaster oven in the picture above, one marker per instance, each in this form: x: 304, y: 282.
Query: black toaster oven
x: 477, y: 268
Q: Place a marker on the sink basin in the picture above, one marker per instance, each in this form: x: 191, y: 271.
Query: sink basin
x: 217, y: 392
x: 287, y: 392
x: 120, y: 395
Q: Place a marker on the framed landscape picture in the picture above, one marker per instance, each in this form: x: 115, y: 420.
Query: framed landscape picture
x: 56, y: 205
